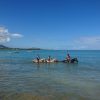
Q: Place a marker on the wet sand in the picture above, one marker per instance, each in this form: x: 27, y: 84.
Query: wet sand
x: 28, y: 96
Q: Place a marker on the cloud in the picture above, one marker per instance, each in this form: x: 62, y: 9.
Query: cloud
x: 3, y: 30
x: 5, y: 36
x: 92, y: 42
x: 89, y: 40
x: 4, y: 39
x: 16, y: 35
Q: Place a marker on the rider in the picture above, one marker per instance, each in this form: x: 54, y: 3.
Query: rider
x: 49, y: 58
x: 38, y: 58
x: 68, y: 58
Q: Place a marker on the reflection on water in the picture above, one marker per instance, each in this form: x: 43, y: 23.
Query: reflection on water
x: 20, y: 79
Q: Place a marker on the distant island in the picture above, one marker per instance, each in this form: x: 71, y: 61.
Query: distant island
x: 2, y: 47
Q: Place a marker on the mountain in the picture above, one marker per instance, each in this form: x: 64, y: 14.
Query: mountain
x: 6, y: 48
x: 3, y: 47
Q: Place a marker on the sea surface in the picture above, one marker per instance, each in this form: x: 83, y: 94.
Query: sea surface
x: 21, y: 79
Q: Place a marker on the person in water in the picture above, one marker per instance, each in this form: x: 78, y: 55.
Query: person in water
x: 68, y: 58
x: 49, y: 58
x: 38, y: 58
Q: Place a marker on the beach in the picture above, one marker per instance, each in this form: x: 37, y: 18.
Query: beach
x: 21, y: 79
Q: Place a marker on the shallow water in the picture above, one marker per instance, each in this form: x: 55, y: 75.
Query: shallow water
x: 20, y: 79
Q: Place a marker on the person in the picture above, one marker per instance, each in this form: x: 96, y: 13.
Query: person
x: 38, y: 58
x: 49, y: 58
x: 68, y: 58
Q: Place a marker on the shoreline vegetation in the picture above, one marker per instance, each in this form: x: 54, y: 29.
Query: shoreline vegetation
x: 2, y: 47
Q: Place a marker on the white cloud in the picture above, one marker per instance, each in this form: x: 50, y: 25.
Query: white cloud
x: 5, y: 36
x: 16, y: 35
x: 92, y: 42
x: 4, y: 39
x: 3, y: 30
x: 89, y: 40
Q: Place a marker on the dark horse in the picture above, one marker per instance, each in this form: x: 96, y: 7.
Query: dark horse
x: 74, y: 60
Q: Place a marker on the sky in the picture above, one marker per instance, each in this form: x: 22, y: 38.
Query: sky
x: 50, y: 24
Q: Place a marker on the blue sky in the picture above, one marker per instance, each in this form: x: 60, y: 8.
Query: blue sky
x: 51, y: 24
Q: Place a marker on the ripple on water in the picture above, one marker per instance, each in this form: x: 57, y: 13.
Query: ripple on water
x: 20, y: 79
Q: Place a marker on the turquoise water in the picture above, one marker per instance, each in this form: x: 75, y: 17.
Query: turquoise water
x: 21, y: 79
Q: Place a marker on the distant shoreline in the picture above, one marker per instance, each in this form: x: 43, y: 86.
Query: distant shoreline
x: 40, y: 49
x: 2, y: 47
x: 20, y: 49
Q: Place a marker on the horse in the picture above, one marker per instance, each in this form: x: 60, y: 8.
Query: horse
x: 39, y: 61
x: 74, y: 60
x: 44, y: 61
x: 52, y: 60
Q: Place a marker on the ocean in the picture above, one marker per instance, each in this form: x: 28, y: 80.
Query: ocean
x: 21, y: 79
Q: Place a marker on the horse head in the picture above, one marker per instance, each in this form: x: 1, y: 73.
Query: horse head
x: 74, y: 60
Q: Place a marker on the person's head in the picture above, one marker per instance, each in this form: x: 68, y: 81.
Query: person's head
x: 68, y: 54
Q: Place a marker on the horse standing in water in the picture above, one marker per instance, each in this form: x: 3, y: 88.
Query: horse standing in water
x: 74, y: 60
